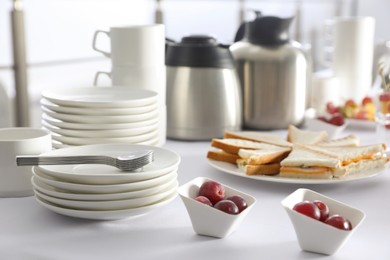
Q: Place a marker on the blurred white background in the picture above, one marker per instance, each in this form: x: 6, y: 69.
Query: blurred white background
x: 59, y: 32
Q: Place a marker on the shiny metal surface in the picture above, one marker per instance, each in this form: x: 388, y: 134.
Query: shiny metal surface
x: 274, y: 81
x: 202, y: 102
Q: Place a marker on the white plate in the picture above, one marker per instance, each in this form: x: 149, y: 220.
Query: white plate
x: 110, y: 204
x: 103, y: 189
x: 99, y: 126
x: 101, y: 133
x: 101, y: 97
x: 106, y: 215
x: 360, y: 124
x: 104, y: 140
x: 65, y: 194
x: 87, y: 119
x: 164, y: 161
x: 234, y: 170
x: 98, y: 111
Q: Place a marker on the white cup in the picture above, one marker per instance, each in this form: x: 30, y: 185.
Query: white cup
x: 352, y: 55
x: 150, y: 78
x: 15, y: 181
x: 138, y: 46
x: 325, y: 88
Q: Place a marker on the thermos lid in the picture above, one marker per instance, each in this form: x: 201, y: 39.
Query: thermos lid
x: 265, y: 30
x: 199, y: 51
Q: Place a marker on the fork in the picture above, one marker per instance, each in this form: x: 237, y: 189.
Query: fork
x: 129, y: 162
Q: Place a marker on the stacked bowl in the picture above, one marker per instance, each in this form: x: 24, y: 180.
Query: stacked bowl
x: 102, y: 192
x: 96, y: 115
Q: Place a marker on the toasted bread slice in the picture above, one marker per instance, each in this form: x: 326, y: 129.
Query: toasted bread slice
x: 258, y: 137
x: 256, y: 157
x: 350, y: 140
x: 234, y: 145
x: 219, y: 155
x: 296, y: 135
x: 261, y: 169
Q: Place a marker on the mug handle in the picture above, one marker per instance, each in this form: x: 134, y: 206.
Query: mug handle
x: 96, y: 79
x: 95, y: 36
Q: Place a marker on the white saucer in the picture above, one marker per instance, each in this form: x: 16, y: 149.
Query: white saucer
x: 99, y: 126
x: 101, y: 97
x: 97, y: 111
x: 106, y: 215
x: 110, y: 204
x: 104, y: 140
x: 164, y: 161
x: 102, y: 188
x: 65, y: 194
x: 107, y: 133
x: 87, y: 119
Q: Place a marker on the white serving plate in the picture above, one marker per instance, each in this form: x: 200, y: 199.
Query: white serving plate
x: 98, y: 111
x: 65, y: 194
x: 110, y: 204
x: 234, y: 170
x: 164, y: 162
x: 101, y: 97
x: 88, y: 119
x: 136, y: 139
x: 101, y: 133
x: 99, y: 126
x: 103, y: 188
x: 106, y: 215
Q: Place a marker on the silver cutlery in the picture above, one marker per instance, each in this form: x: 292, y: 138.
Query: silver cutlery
x: 129, y: 162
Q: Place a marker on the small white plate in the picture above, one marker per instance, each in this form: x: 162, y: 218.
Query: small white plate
x: 110, y: 204
x: 105, y: 188
x: 234, y: 170
x: 87, y: 119
x: 101, y: 97
x: 104, y: 140
x: 98, y: 111
x: 101, y: 133
x: 65, y: 194
x: 164, y: 161
x: 106, y: 215
x: 361, y: 124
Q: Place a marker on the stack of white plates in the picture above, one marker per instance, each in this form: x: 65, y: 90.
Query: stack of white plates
x: 82, y: 116
x: 104, y: 192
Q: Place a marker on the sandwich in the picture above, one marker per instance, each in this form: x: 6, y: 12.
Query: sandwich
x: 349, y: 140
x: 231, y: 145
x: 316, y: 162
x: 296, y: 135
x: 258, y: 137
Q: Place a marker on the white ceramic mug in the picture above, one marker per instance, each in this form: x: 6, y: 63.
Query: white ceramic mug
x: 150, y: 78
x: 137, y: 46
x: 352, y: 54
x: 15, y: 181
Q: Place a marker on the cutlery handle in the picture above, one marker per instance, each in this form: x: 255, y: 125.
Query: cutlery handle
x: 54, y: 160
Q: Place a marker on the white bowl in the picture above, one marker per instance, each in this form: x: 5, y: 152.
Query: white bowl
x: 314, y: 124
x: 207, y: 220
x: 314, y: 235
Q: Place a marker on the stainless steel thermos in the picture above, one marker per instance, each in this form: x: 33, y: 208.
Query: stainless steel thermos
x: 203, y: 89
x: 274, y: 72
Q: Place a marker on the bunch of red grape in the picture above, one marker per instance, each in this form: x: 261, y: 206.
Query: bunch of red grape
x: 320, y: 211
x: 212, y: 193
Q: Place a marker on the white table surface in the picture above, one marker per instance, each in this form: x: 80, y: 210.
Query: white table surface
x: 30, y: 231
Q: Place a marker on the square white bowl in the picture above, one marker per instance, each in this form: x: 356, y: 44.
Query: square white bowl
x: 314, y: 235
x: 207, y: 220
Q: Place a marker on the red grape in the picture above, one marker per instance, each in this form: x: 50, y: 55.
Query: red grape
x: 227, y: 206
x: 212, y: 190
x: 336, y: 120
x: 204, y: 200
x: 308, y: 208
x: 331, y: 108
x: 339, y: 222
x: 324, y: 209
x: 239, y: 201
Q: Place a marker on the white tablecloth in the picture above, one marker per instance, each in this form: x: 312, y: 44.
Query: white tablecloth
x: 30, y: 231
